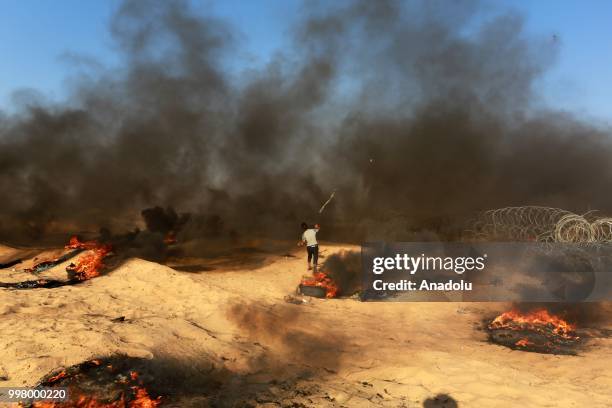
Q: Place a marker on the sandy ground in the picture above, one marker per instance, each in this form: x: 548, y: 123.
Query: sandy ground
x: 236, y: 325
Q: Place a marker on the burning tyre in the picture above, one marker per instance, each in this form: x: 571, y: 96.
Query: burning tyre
x: 536, y: 331
x: 101, y: 383
x: 318, y: 285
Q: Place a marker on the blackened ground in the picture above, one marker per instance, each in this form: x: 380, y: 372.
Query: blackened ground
x: 538, y: 341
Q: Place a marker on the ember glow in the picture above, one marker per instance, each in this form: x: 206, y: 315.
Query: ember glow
x: 170, y: 238
x: 320, y: 279
x: 523, y: 343
x: 141, y: 399
x: 89, y: 265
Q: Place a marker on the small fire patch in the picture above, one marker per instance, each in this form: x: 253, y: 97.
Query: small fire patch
x: 100, y: 383
x: 321, y: 283
x: 536, y: 331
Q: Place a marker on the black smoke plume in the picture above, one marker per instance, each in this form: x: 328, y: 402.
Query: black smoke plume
x: 164, y: 221
x: 345, y: 270
x: 417, y: 114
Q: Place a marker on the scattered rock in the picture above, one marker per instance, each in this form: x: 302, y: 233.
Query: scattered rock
x: 3, y: 374
x: 295, y: 300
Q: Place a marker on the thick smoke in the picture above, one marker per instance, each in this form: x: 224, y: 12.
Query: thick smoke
x: 345, y: 269
x: 416, y: 113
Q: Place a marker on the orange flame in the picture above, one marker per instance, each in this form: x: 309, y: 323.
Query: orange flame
x: 523, y: 343
x: 82, y: 401
x: 57, y: 377
x: 322, y: 280
x: 89, y: 265
x: 534, y: 320
x: 141, y: 400
x: 140, y: 397
x: 75, y: 243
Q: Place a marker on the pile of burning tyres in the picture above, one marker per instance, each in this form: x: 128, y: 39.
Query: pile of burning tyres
x: 100, y: 383
x: 85, y: 267
x: 536, y: 330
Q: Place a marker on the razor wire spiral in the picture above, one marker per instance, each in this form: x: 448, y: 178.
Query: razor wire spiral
x: 543, y: 224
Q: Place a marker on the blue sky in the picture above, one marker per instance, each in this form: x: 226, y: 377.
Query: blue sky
x: 38, y: 38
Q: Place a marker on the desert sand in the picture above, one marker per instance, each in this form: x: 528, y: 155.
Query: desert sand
x: 236, y: 326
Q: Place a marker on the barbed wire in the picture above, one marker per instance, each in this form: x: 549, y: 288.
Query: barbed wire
x: 543, y: 224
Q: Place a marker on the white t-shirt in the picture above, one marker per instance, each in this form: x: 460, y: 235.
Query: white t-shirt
x: 310, y: 236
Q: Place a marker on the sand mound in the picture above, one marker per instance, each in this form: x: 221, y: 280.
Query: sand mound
x: 330, y: 352
x: 8, y: 253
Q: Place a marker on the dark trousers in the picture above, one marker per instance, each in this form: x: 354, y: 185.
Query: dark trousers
x: 313, y: 253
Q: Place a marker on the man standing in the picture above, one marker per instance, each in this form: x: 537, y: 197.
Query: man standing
x: 309, y: 238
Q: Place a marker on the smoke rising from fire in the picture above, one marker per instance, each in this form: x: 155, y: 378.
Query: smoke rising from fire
x: 419, y: 110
